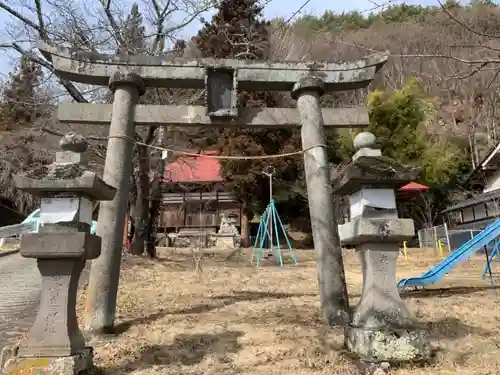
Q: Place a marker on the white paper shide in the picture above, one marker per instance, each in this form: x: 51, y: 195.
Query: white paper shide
x: 59, y: 210
x: 377, y: 198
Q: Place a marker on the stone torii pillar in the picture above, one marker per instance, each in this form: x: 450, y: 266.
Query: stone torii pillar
x: 334, y: 299
x: 105, y: 270
x: 222, y: 79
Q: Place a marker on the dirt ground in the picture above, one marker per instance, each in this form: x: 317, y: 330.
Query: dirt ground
x: 235, y: 318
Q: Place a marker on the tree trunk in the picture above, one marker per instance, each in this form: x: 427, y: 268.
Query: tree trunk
x: 141, y: 211
x: 245, y: 230
x: 154, y: 210
x: 132, y: 230
x: 141, y: 207
x: 132, y: 198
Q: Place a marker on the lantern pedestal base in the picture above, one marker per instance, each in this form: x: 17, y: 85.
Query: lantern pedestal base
x: 70, y: 365
x: 390, y: 345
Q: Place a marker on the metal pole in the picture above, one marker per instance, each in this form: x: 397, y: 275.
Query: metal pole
x: 270, y: 187
x: 471, y: 237
x: 269, y: 172
x: 436, y: 245
x: 489, y: 268
x: 447, y: 236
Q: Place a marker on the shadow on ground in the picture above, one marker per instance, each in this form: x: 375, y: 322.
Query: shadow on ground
x: 453, y: 328
x: 216, y: 302
x: 184, y: 264
x: 447, y: 292
x: 187, y: 350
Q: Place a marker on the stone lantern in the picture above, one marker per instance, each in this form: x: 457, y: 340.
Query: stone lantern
x: 55, y: 344
x: 382, y: 328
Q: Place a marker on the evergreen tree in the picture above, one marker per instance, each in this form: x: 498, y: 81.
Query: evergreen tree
x: 398, y: 118
x: 134, y: 33
x: 21, y: 97
x: 21, y: 104
x: 237, y: 30
x: 145, y: 195
x: 134, y: 42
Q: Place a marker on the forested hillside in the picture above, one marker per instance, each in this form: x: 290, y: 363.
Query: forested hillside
x: 447, y: 50
x: 434, y: 105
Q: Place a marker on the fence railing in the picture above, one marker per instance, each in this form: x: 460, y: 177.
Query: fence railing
x: 429, y: 237
x: 9, y: 235
x: 17, y: 229
x: 451, y: 239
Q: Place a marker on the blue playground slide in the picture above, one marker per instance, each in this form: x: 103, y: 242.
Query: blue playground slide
x: 435, y: 274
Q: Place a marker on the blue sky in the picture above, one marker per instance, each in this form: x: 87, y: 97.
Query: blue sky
x: 275, y: 8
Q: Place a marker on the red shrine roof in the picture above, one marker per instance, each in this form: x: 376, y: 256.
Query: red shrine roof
x: 194, y: 169
x: 410, y: 191
x: 206, y: 169
x: 414, y: 186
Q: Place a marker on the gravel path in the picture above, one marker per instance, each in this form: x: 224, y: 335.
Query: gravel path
x: 19, y: 295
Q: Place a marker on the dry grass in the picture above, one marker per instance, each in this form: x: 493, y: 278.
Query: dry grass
x: 238, y: 319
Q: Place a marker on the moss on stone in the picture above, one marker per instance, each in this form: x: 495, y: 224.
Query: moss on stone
x: 57, y: 172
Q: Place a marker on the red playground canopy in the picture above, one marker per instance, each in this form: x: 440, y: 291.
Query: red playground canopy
x: 410, y: 190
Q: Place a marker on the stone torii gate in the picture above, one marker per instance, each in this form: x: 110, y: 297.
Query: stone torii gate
x: 129, y: 76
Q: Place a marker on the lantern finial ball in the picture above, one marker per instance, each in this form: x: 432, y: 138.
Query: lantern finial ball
x: 73, y: 142
x: 365, y: 140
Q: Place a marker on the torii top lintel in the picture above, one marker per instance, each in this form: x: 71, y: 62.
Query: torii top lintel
x: 173, y: 72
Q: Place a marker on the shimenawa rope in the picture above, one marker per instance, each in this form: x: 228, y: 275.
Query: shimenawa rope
x: 220, y: 157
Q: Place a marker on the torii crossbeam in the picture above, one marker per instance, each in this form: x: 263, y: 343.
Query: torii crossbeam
x: 129, y: 76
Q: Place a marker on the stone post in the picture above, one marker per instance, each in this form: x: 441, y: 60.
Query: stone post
x: 105, y: 271
x: 333, y: 293
x: 382, y: 328
x: 55, y: 344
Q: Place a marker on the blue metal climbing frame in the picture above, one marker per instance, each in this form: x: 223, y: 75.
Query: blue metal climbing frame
x: 487, y: 266
x: 270, y: 220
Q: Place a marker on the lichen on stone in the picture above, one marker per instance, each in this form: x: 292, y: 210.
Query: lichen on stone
x: 391, y: 347
x: 384, y: 167
x: 395, y: 346
x: 56, y: 172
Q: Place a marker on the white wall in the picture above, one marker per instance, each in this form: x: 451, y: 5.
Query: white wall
x: 493, y: 182
x: 493, y: 208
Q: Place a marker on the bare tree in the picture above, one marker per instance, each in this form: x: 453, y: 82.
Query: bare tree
x: 98, y: 26
x: 104, y: 26
x: 455, y: 63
